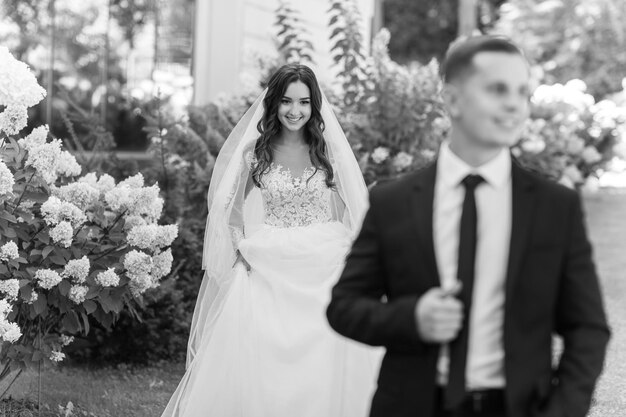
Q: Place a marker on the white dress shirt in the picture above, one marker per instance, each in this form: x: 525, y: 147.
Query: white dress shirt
x: 485, y: 355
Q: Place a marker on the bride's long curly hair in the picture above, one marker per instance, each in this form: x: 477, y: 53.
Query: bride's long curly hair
x: 270, y: 126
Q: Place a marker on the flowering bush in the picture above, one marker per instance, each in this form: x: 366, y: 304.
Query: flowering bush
x: 400, y: 122
x: 399, y: 125
x: 183, y: 150
x: 71, y: 248
x: 569, y: 136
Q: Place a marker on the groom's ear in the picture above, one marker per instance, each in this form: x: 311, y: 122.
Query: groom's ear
x: 450, y: 95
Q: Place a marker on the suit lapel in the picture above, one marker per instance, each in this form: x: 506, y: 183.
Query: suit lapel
x: 523, y: 205
x: 421, y: 208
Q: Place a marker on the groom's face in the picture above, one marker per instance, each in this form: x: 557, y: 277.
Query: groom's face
x: 490, y: 103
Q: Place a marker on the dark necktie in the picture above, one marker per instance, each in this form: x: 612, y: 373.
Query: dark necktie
x: 455, y: 390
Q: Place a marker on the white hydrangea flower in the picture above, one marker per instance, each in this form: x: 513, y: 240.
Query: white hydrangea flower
x: 67, y: 165
x: 62, y: 234
x: 66, y: 340
x: 566, y: 181
x: 77, y: 293
x: 10, y: 332
x: 57, y: 356
x: 45, y: 159
x: 10, y: 287
x: 9, y: 251
x: 33, y: 297
x: 143, y: 237
x: 105, y: 183
x: 118, y: 198
x: 166, y: 235
x: 533, y: 146
x: 81, y: 194
x: 47, y: 278
x: 154, y: 210
x: 573, y: 173
x: 137, y: 263
x: 13, y: 119
x: 380, y: 155
x: 576, y: 84
x: 402, y: 160
x: 136, y: 181
x: 146, y: 202
x: 441, y: 125
x: 139, y: 283
x: 108, y: 278
x: 90, y: 178
x: 6, y: 179
x: 36, y: 138
x: 591, y: 155
x: 136, y: 200
x: 134, y: 221
x: 18, y: 84
x: 55, y: 211
x: 78, y: 269
x: 575, y: 145
x: 152, y: 236
x: 428, y: 154
x: 162, y: 264
x: 5, y: 308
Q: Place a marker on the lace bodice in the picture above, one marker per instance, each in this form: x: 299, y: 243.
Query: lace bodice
x: 290, y: 201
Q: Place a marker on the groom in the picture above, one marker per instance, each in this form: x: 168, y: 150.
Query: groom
x: 465, y: 269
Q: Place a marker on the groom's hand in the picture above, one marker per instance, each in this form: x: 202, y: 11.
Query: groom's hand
x: 439, y: 316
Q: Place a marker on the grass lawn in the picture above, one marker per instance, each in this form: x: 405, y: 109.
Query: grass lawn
x: 114, y: 392
x: 144, y: 392
x: 606, y: 217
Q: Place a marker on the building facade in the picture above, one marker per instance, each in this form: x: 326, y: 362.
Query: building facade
x: 231, y: 35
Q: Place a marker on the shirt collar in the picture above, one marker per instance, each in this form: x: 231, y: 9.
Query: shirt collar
x: 451, y: 169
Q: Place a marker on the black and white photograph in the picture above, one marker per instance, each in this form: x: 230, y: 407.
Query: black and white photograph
x: 312, y: 208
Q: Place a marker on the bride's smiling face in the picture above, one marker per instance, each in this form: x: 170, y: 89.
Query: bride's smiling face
x: 294, y: 110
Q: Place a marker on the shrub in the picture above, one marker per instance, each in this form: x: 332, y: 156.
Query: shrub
x: 71, y: 251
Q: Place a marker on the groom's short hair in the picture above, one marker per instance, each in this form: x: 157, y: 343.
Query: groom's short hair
x: 458, y: 59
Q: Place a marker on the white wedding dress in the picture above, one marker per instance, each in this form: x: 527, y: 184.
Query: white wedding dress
x: 272, y: 352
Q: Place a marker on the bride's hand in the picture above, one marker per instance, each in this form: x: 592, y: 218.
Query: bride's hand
x: 241, y: 259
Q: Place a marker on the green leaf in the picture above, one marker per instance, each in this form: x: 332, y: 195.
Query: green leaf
x: 106, y: 302
x: 37, y: 196
x: 70, y: 322
x: 105, y: 319
x: 90, y: 306
x: 64, y: 287
x: 92, y: 293
x: 85, y: 323
x: 58, y: 260
x: 46, y: 251
x: 37, y: 356
x: 41, y: 304
x: 8, y: 216
x: 76, y: 252
x: 26, y: 291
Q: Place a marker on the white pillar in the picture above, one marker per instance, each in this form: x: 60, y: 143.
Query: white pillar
x: 217, y: 48
x: 467, y: 13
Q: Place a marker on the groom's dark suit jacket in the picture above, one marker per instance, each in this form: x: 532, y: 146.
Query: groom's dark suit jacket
x: 551, y: 287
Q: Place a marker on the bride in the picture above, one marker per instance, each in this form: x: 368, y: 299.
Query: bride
x: 285, y: 201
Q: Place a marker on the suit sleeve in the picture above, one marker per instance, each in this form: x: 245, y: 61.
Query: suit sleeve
x: 357, y: 309
x: 581, y: 321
